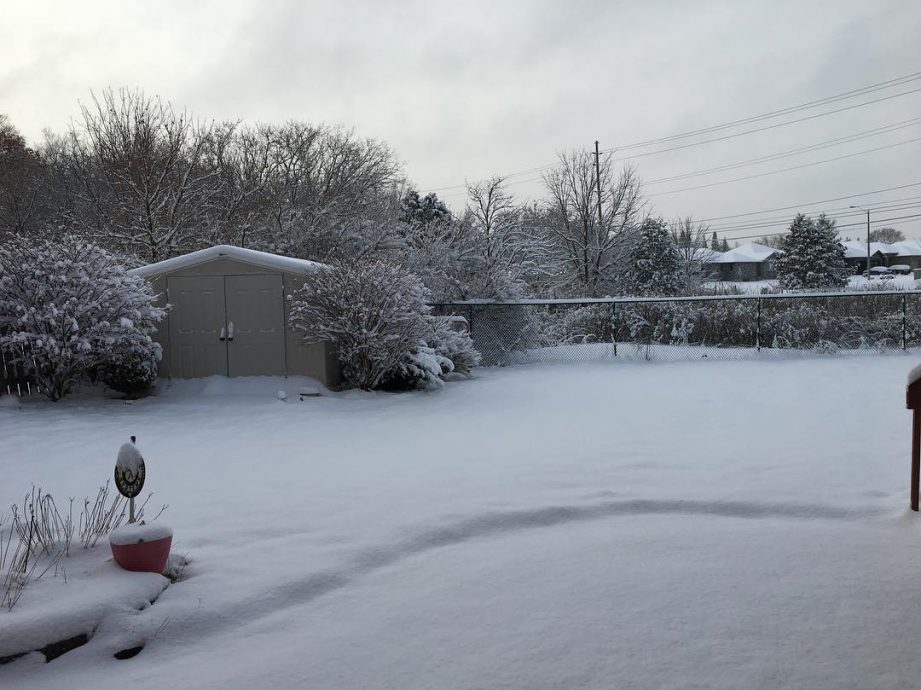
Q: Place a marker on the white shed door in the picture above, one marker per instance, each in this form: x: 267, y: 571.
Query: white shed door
x: 255, y: 325
x: 195, y: 327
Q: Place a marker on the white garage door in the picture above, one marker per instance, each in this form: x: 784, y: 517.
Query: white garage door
x: 228, y: 325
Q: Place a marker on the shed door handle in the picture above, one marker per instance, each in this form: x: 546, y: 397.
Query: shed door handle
x: 221, y: 336
x: 230, y: 331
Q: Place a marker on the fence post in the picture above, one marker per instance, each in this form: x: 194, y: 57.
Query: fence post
x: 904, y: 323
x: 758, y: 328
x: 614, y: 326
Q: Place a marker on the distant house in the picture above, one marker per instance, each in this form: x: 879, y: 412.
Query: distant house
x: 707, y: 261
x: 855, y: 255
x: 906, y: 252
x: 750, y: 261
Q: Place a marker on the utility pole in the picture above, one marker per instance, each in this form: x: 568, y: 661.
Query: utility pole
x: 598, y: 184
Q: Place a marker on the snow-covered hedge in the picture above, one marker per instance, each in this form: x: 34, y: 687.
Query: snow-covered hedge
x: 377, y: 315
x: 814, y: 324
x: 69, y: 309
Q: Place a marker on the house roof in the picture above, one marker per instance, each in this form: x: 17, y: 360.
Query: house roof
x: 276, y: 262
x: 857, y: 250
x: 706, y: 255
x: 751, y: 253
x: 910, y: 247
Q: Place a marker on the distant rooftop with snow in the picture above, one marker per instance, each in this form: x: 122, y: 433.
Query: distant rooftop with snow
x: 747, y: 253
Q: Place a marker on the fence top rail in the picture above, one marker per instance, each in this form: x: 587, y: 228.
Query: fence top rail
x: 693, y: 298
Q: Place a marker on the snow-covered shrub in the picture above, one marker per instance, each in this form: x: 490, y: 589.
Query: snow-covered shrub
x: 453, y: 344
x: 129, y: 365
x: 66, y: 306
x: 422, y: 368
x: 377, y: 315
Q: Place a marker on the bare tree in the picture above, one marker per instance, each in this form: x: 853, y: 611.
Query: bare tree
x: 323, y: 187
x: 887, y: 235
x: 591, y: 249
x: 143, y: 183
x: 694, y: 254
x: 22, y: 183
x: 511, y: 249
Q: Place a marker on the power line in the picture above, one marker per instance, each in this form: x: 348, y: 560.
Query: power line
x: 754, y: 222
x: 696, y: 143
x: 898, y: 81
x: 891, y: 221
x: 792, y: 152
x: 783, y: 170
x: 814, y: 203
x: 773, y: 223
x: 849, y: 94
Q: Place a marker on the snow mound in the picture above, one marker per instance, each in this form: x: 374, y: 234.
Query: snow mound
x: 914, y: 374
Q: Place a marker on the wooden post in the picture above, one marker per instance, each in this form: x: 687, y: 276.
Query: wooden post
x: 913, y: 403
x: 915, y: 457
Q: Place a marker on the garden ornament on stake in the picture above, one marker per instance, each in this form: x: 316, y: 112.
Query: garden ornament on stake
x: 137, y: 546
x: 129, y: 474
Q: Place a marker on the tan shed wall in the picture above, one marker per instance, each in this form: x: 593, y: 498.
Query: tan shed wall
x: 317, y: 360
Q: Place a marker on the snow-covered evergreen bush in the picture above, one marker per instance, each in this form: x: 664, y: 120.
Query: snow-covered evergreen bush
x: 813, y: 257
x: 378, y: 316
x: 654, y: 262
x: 67, y: 307
x: 129, y: 365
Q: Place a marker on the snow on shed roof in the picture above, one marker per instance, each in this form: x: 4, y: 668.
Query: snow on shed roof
x: 277, y: 262
x: 747, y: 253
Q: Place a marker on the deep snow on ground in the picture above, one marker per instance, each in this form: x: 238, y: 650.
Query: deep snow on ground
x: 610, y: 525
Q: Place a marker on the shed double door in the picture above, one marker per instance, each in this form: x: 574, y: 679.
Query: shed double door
x: 232, y: 325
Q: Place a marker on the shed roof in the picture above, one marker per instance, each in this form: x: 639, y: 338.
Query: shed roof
x: 276, y: 262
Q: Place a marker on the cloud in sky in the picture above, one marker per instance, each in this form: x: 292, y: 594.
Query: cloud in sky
x: 466, y: 89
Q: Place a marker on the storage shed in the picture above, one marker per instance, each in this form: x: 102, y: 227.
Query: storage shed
x: 229, y: 316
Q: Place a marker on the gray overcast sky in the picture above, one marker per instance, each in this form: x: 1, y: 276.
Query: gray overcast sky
x: 462, y: 90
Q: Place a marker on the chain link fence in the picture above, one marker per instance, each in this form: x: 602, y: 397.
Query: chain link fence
x: 687, y: 328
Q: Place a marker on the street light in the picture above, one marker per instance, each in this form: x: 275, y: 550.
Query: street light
x: 868, y: 238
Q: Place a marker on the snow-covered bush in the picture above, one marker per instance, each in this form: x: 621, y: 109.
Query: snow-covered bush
x: 129, y: 365
x: 454, y: 344
x: 68, y: 307
x: 377, y: 315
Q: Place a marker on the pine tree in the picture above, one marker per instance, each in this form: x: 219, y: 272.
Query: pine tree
x: 423, y: 209
x: 724, y: 247
x: 812, y: 255
x: 654, y: 261
x: 714, y: 243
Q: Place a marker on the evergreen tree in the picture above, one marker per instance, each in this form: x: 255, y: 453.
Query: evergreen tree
x: 724, y: 247
x: 654, y: 261
x: 423, y: 209
x: 812, y: 255
x: 714, y: 243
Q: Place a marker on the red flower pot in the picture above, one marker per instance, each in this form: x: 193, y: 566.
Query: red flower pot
x: 141, y: 548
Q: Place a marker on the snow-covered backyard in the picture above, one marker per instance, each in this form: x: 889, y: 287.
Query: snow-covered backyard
x: 610, y: 525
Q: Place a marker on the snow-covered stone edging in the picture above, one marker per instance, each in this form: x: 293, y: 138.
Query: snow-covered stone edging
x: 53, y: 610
